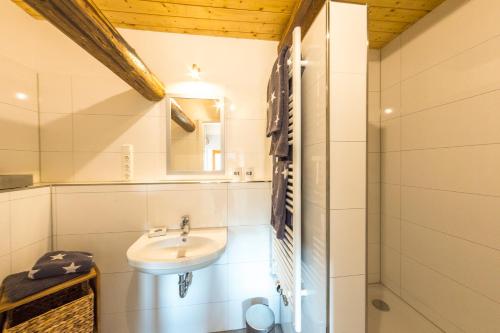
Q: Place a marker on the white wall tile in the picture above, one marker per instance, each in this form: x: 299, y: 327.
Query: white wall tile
x: 17, y: 78
x: 454, y: 214
x: 390, y: 102
x: 391, y: 232
x: 348, y: 107
x: 391, y: 200
x: 248, y: 280
x: 108, y: 95
x: 390, y: 133
x: 390, y: 167
x: 390, y: 64
x: 207, y: 208
x: 449, y: 82
x: 121, y: 292
x: 104, y: 133
x: 347, y: 175
x: 185, y: 319
x: 18, y: 128
x: 56, y: 167
x: 24, y: 258
x: 373, y: 263
x: 435, y: 37
x: 55, y: 93
x: 210, y: 285
x: 97, y: 167
x: 109, y: 249
x: 347, y: 242
x: 471, y: 121
x: 391, y: 269
x: 249, y: 206
x: 468, y: 310
x: 5, y: 228
x: 246, y: 135
x: 347, y: 310
x: 4, y: 266
x: 249, y: 243
x: 470, y: 264
x: 314, y: 50
x: 56, y: 132
x: 30, y: 220
x: 83, y: 213
x: 314, y: 110
x: 373, y: 70
x: 348, y: 52
x: 462, y: 169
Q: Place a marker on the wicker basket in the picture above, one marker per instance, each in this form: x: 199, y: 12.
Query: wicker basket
x: 70, y: 310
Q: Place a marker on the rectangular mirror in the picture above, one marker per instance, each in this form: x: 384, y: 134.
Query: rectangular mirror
x: 195, y: 135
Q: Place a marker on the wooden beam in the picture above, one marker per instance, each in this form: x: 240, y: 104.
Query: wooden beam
x: 303, y: 15
x: 84, y: 23
x: 180, y: 117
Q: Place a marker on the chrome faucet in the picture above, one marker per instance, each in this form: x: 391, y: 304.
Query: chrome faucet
x: 185, y: 226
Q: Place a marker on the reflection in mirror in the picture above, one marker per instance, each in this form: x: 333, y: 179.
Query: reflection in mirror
x: 195, y: 138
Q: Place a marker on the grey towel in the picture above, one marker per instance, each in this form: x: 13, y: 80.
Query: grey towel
x: 277, y: 101
x: 61, y: 263
x: 280, y: 182
x: 279, y: 141
x: 18, y: 286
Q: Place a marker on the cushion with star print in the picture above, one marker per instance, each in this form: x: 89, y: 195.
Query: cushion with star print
x: 61, y: 263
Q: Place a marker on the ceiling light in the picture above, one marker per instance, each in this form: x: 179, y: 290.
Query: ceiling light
x: 232, y: 107
x: 21, y: 96
x: 388, y: 111
x: 194, y: 72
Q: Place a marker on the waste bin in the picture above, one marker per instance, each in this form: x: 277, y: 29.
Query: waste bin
x: 259, y: 318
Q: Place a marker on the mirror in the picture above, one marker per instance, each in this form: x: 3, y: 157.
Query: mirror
x: 195, y: 135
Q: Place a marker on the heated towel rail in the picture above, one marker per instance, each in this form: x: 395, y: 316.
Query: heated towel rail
x: 286, y: 252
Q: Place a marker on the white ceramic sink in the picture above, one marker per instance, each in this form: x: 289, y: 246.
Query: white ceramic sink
x: 169, y: 254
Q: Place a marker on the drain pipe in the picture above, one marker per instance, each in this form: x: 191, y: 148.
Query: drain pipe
x: 184, y: 283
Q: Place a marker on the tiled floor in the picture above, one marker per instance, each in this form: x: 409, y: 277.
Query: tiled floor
x: 400, y: 319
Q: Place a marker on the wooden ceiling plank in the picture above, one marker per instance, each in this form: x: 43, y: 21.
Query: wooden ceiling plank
x: 275, y: 6
x: 190, y: 23
x: 85, y: 24
x: 386, y: 26
x: 426, y: 5
x: 395, y: 14
x: 201, y: 12
x: 231, y: 34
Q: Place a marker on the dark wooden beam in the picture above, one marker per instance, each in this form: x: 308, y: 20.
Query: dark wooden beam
x: 85, y: 24
x: 180, y: 117
x: 303, y: 15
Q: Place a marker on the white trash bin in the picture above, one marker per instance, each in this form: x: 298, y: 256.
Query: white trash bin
x: 259, y: 318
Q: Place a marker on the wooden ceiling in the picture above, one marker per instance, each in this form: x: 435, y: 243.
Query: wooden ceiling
x: 257, y: 19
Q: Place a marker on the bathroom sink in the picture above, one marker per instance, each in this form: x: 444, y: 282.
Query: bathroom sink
x: 174, y: 254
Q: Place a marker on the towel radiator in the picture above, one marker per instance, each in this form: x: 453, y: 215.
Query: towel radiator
x: 286, y: 252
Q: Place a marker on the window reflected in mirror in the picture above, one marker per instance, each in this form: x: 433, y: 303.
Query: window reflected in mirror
x: 195, y: 139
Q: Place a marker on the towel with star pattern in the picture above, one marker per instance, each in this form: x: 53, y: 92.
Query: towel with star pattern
x: 277, y: 106
x: 61, y: 263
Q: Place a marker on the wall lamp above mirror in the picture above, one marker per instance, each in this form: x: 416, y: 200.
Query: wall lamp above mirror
x: 195, y: 135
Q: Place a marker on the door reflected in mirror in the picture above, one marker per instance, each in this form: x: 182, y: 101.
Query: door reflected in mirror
x: 195, y: 136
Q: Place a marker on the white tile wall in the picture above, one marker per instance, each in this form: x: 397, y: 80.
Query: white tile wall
x: 373, y: 166
x: 439, y: 185
x: 88, y: 114
x: 107, y: 219
x: 25, y: 228
x: 348, y: 166
x: 18, y: 119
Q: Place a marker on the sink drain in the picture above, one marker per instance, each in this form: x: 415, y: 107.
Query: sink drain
x: 381, y: 305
